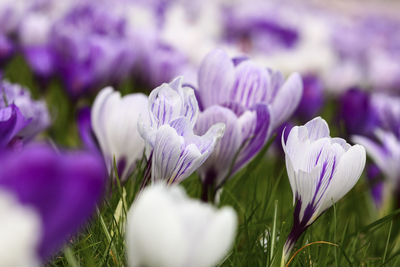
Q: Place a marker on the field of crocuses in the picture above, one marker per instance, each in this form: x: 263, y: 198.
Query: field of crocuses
x: 199, y: 133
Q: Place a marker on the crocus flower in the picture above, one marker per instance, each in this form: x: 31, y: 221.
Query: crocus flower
x: 172, y: 101
x: 166, y: 228
x: 174, y: 149
x: 251, y: 100
x: 385, y: 154
x: 21, y: 117
x: 177, y: 152
x: 321, y: 171
x: 45, y: 197
x: 91, y: 46
x: 115, y: 121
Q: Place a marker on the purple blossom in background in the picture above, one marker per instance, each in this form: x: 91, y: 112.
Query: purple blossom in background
x: 387, y: 108
x: 251, y: 100
x: 21, y: 117
x: 357, y: 113
x: 61, y: 189
x: 321, y: 170
x: 11, y: 122
x: 259, y: 28
x: 91, y: 46
x: 369, y: 43
x: 6, y: 48
x: 313, y: 97
x: 159, y: 63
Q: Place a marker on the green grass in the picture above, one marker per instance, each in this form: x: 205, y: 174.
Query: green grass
x: 260, y: 194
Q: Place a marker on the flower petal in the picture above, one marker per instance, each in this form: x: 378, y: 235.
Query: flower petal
x: 286, y: 100
x: 219, y: 162
x: 251, y: 84
x: 349, y: 170
x: 216, y: 77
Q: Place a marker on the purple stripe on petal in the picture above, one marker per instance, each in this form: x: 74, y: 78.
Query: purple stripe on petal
x: 256, y: 140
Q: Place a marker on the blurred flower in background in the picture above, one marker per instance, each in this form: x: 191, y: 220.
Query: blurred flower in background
x: 21, y: 117
x: 45, y: 201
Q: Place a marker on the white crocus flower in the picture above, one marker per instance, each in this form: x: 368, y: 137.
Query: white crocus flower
x: 165, y: 228
x: 321, y: 171
x: 20, y: 230
x: 115, y: 124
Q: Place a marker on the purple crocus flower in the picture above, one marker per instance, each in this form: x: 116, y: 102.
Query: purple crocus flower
x: 11, y: 122
x: 91, y: 47
x: 251, y: 100
x: 356, y: 112
x: 159, y: 63
x: 250, y: 28
x: 56, y: 192
x: 321, y: 170
x: 21, y: 117
x: 367, y: 43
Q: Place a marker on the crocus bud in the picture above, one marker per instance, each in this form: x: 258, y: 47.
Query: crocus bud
x: 321, y: 171
x: 115, y: 121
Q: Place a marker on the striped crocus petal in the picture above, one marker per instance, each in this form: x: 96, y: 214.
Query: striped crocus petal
x: 321, y: 171
x: 251, y: 84
x: 216, y: 78
x: 286, y: 98
x: 245, y: 134
x: 177, y: 152
x: 217, y: 166
x: 115, y: 124
x: 171, y: 101
x: 385, y: 154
